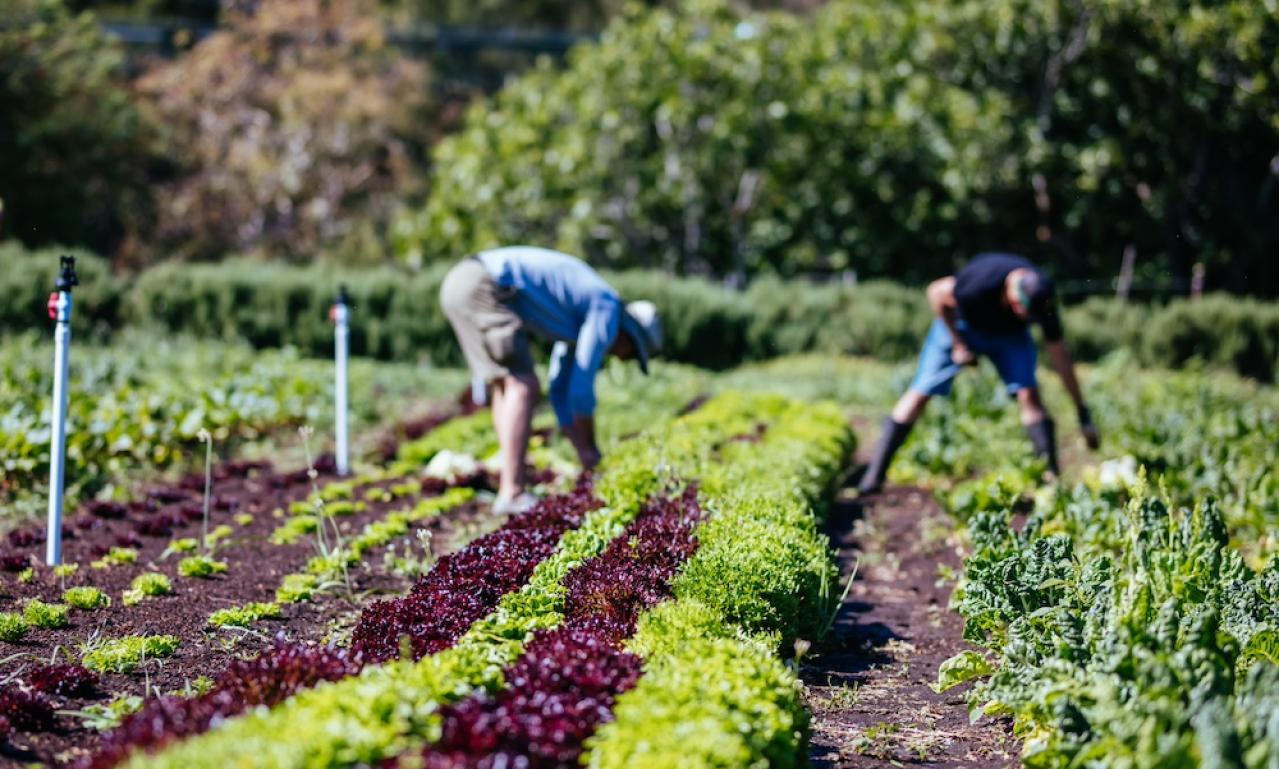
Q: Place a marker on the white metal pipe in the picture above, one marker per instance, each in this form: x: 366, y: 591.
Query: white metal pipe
x: 58, y: 442
x: 342, y: 338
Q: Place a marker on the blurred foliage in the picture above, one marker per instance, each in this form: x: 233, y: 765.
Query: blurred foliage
x: 138, y: 405
x: 893, y: 138
x: 75, y: 150
x: 298, y: 131
x: 576, y: 15
x: 29, y: 277
x: 396, y: 314
x: 204, y: 11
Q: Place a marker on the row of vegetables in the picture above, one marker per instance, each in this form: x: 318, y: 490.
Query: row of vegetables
x: 1131, y: 620
x: 584, y: 630
x: 139, y: 405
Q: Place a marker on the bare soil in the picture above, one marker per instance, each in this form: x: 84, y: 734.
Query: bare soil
x: 255, y: 568
x: 868, y: 685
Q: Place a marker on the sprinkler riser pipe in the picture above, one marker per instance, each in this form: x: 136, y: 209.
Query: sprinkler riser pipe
x: 341, y: 342
x: 58, y: 439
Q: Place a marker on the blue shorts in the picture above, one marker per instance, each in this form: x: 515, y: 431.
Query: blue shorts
x: 1013, y: 356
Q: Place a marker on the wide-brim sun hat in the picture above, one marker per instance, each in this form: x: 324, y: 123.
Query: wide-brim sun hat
x: 641, y: 324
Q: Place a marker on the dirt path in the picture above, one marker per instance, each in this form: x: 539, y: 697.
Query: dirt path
x: 868, y: 686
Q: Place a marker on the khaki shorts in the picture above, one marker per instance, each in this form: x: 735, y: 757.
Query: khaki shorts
x: 491, y: 334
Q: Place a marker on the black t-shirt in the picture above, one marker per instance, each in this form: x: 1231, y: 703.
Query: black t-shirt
x: 979, y: 292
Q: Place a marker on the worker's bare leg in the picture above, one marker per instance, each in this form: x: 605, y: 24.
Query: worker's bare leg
x: 895, y: 430
x: 514, y: 397
x: 1031, y: 407
x: 1039, y: 426
x: 909, y: 407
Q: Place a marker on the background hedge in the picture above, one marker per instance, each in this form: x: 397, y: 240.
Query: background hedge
x: 397, y: 315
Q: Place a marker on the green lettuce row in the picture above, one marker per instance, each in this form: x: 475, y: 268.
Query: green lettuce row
x: 388, y: 709
x: 714, y: 693
x: 471, y: 434
x: 1126, y: 635
x: 330, y: 567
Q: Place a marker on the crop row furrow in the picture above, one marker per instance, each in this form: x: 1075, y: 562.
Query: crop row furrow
x: 388, y: 709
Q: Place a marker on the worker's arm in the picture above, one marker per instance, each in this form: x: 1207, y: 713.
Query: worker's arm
x: 941, y: 298
x: 1064, y: 365
x: 599, y: 329
x: 560, y: 374
x: 578, y: 429
x: 581, y: 433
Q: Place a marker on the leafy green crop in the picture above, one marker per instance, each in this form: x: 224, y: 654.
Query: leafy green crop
x: 13, y: 627
x: 244, y: 616
x: 123, y: 655
x: 388, y: 707
x: 201, y: 566
x: 1113, y: 619
x: 147, y: 585
x: 86, y: 598
x: 116, y: 556
x: 47, y: 616
x: 138, y: 404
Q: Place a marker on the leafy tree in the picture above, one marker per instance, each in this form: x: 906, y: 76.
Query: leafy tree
x: 892, y: 137
x: 579, y: 15
x: 297, y: 130
x: 75, y: 151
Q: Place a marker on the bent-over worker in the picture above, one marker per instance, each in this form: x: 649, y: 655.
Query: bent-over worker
x: 495, y: 298
x: 987, y: 309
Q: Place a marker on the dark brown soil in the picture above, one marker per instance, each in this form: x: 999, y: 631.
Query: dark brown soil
x: 868, y: 686
x: 255, y: 569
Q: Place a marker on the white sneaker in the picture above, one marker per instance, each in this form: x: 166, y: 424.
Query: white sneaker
x: 521, y: 504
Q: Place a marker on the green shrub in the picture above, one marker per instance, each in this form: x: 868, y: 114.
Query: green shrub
x: 244, y: 616
x: 200, y: 566
x: 1101, y: 325
x: 397, y: 315
x: 86, y: 598
x: 1224, y: 331
x: 124, y: 655
x: 13, y: 627
x: 28, y: 278
x: 891, y: 138
x: 46, y: 616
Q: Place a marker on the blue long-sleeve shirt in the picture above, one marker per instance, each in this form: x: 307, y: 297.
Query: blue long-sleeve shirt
x: 561, y: 298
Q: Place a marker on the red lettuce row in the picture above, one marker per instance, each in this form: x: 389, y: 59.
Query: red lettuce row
x: 64, y: 680
x: 462, y: 588
x: 467, y: 585
x: 24, y: 710
x: 269, y: 678
x: 558, y: 692
x: 565, y: 683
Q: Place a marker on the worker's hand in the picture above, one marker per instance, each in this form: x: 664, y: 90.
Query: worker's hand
x: 1088, y: 429
x: 961, y: 355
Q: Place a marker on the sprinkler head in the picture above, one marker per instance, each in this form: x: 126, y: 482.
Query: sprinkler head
x: 67, y: 278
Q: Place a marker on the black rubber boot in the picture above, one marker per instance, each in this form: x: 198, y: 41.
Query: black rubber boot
x: 1043, y: 436
x: 890, y: 440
